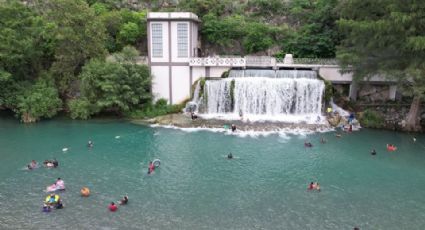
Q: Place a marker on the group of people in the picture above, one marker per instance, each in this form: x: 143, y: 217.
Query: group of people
x: 52, y: 201
x: 51, y: 163
x: 113, y: 207
x: 47, y: 163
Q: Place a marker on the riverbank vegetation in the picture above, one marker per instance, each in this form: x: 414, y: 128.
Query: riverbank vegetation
x: 78, y: 56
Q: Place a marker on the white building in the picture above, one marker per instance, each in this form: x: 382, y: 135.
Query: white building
x: 175, y: 65
x: 172, y: 41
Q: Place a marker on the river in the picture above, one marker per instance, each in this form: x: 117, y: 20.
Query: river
x: 196, y: 187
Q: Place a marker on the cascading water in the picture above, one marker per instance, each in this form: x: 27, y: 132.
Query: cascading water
x: 287, y: 95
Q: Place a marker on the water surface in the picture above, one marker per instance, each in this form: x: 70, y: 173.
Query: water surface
x: 196, y: 187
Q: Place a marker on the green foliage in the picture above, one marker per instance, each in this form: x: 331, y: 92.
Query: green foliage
x: 372, y: 119
x: 315, y: 35
x: 203, y: 7
x: 81, y: 108
x: 40, y: 100
x: 112, y: 86
x: 328, y: 91
x: 386, y: 38
x: 225, y: 74
x: 79, y: 36
x: 99, y: 8
x: 161, y: 107
x: 129, y: 33
x: 255, y: 30
x: 236, y: 29
x: 25, y: 42
x: 124, y: 27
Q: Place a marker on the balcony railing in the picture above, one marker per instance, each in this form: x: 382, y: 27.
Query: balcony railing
x: 310, y: 61
x: 218, y: 61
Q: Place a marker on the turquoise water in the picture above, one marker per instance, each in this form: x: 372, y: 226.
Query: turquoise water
x: 196, y: 187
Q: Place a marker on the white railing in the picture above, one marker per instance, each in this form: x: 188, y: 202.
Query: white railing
x: 218, y: 61
x: 259, y: 61
x: 309, y: 61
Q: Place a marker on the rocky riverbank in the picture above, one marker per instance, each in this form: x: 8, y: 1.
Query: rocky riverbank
x: 185, y: 121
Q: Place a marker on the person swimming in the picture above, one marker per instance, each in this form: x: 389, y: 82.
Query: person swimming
x: 112, y: 207
x: 308, y: 144
x: 311, y: 186
x: 151, y: 167
x: 323, y: 140
x: 33, y: 164
x: 233, y: 127
x: 230, y: 156
x: 314, y: 186
x: 90, y: 144
x: 46, y: 208
x: 59, y: 204
x: 373, y: 152
x: 124, y: 200
x: 55, y: 163
x: 60, y: 184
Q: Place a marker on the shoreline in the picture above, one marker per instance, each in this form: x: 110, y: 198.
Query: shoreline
x: 184, y: 121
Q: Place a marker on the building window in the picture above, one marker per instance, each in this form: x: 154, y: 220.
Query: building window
x: 156, y: 40
x: 182, y: 40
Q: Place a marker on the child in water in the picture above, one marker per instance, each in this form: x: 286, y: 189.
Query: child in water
x: 124, y: 200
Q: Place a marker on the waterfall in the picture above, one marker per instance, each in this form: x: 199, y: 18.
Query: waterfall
x: 276, y: 95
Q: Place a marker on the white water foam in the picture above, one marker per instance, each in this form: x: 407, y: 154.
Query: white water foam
x: 283, y: 132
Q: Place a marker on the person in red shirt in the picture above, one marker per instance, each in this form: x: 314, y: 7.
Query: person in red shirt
x: 151, y: 167
x: 311, y: 186
x: 112, y: 207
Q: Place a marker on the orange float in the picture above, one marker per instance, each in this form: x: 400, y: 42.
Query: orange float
x: 85, y: 192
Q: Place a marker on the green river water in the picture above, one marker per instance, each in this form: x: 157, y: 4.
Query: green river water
x: 196, y: 187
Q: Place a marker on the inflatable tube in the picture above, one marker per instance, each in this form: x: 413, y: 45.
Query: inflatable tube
x: 156, y: 163
x: 54, y: 188
x: 55, y: 201
x: 85, y: 192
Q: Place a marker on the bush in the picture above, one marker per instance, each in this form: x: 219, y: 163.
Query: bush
x: 81, y: 108
x: 372, y: 119
x: 40, y: 100
x: 328, y: 91
x: 161, y: 107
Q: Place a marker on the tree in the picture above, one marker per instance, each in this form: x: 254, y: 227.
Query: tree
x: 79, y: 36
x: 39, y: 100
x: 25, y: 51
x: 112, y: 86
x: 25, y: 42
x: 314, y: 29
x: 386, y: 37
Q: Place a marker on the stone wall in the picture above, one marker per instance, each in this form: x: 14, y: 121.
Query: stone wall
x: 373, y: 93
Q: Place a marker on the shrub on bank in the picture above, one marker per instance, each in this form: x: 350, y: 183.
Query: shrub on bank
x: 161, y: 107
x: 372, y: 119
